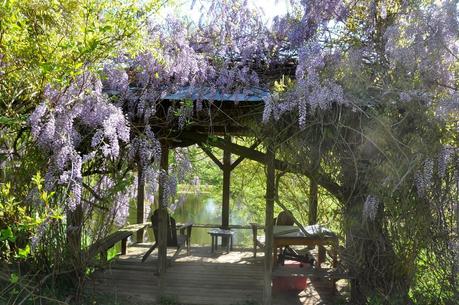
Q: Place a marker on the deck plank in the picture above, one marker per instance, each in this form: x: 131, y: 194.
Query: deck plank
x: 200, y: 279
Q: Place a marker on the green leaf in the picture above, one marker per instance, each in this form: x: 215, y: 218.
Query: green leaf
x: 106, y: 28
x: 7, y: 234
x: 38, y: 181
x: 14, y: 278
x: 17, y: 120
x: 23, y: 253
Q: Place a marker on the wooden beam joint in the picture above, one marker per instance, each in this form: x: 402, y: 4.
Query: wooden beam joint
x: 211, y: 155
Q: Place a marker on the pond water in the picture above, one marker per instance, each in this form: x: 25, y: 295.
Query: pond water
x: 205, y: 208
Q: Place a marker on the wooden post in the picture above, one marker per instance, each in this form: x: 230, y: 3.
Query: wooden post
x: 140, y: 201
x: 269, y: 215
x: 124, y: 246
x: 226, y: 189
x: 163, y: 218
x: 226, y: 185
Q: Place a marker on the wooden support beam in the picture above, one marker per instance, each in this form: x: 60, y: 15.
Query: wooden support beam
x: 140, y: 201
x: 322, y: 179
x: 237, y: 162
x: 226, y: 185
x: 162, y: 219
x: 211, y: 155
x: 269, y: 215
x: 124, y: 246
x: 241, y: 158
x: 226, y: 189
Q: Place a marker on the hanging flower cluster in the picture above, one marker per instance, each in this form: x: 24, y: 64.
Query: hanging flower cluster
x: 59, y: 124
x: 435, y: 168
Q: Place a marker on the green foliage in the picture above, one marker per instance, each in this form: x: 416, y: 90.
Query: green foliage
x: 431, y: 285
x: 14, y: 278
x: 284, y: 84
x: 51, y: 42
x: 15, y: 225
x: 208, y: 172
x: 18, y: 224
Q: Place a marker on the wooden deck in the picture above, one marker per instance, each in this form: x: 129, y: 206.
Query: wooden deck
x: 235, y: 278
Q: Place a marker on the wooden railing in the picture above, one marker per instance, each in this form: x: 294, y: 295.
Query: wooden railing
x: 229, y: 227
x: 102, y: 246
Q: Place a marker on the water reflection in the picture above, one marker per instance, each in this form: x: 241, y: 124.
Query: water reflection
x: 206, y: 208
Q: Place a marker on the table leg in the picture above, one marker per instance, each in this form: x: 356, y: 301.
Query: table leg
x: 334, y: 254
x: 231, y: 242
x: 321, y: 256
x: 274, y: 255
x: 213, y: 249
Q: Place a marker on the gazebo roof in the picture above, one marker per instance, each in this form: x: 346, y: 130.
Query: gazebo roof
x: 252, y: 94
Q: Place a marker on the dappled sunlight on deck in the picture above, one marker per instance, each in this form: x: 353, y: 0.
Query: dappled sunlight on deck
x: 200, y: 278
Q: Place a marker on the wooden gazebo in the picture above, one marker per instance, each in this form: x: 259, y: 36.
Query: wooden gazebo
x: 213, y: 118
x: 220, y: 116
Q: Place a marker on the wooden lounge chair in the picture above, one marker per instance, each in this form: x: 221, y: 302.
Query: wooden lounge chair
x: 285, y: 218
x: 175, y: 240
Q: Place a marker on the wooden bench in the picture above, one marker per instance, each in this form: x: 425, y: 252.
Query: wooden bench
x: 102, y: 246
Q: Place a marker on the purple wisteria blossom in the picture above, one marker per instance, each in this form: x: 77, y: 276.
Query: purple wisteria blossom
x: 121, y: 210
x: 370, y: 208
x: 57, y: 125
x: 423, y: 177
x: 312, y: 92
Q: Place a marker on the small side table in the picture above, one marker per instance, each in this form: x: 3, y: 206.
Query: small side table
x: 215, y: 233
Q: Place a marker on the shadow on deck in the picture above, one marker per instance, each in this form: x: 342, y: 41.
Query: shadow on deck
x: 201, y: 278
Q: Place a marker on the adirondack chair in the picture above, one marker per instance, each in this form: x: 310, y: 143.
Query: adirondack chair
x: 175, y: 240
x: 285, y: 218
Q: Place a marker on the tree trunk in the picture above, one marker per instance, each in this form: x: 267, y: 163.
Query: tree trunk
x: 371, y: 256
x: 140, y: 201
x: 74, y: 228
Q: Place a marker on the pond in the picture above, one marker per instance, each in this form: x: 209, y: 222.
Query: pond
x: 206, y: 208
